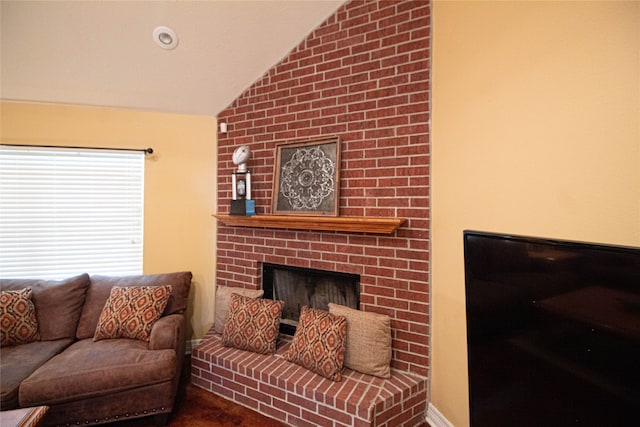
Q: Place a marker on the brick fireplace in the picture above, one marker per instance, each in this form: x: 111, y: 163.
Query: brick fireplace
x: 363, y: 75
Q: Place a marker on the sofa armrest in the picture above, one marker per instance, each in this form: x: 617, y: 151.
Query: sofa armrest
x: 168, y: 333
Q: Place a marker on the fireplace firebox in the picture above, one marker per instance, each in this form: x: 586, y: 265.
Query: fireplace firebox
x: 298, y: 287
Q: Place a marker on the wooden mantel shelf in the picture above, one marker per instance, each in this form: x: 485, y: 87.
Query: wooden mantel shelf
x: 319, y: 223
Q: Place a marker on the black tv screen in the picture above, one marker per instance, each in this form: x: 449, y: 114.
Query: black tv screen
x: 553, y: 332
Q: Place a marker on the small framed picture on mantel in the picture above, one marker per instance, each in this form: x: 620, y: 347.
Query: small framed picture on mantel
x: 307, y: 178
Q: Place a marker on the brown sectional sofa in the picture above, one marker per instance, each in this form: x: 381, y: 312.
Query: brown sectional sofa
x: 94, y: 382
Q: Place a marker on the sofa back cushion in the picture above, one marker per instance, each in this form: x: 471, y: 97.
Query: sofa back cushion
x: 58, y: 303
x: 100, y: 289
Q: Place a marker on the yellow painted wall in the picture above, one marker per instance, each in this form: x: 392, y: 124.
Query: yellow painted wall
x: 536, y: 131
x: 180, y: 181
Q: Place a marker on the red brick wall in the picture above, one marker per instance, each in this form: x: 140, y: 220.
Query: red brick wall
x: 362, y: 75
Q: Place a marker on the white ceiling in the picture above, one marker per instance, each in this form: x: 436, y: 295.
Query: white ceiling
x: 102, y: 52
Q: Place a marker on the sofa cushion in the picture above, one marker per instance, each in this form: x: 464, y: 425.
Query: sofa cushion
x: 253, y: 324
x: 58, y: 303
x: 223, y: 301
x: 18, y: 362
x: 131, y: 312
x: 100, y: 289
x: 319, y: 343
x: 18, y: 323
x: 368, y: 344
x: 90, y: 368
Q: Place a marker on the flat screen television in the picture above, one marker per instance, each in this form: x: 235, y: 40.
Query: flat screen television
x: 553, y: 332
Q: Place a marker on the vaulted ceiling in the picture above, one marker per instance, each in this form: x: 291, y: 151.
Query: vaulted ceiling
x: 103, y: 53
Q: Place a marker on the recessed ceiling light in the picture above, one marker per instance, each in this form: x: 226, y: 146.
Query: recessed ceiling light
x: 165, y: 37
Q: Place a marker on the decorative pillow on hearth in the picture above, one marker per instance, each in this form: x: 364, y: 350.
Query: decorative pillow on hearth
x: 130, y: 312
x: 253, y: 324
x: 18, y: 322
x: 319, y: 343
x: 368, y: 348
x: 223, y: 301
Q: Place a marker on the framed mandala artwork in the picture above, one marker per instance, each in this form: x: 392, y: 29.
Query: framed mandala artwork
x: 307, y: 178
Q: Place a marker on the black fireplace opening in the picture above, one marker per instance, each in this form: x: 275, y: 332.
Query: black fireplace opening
x: 298, y: 287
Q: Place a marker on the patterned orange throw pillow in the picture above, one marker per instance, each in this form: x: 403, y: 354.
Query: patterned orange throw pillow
x: 18, y: 322
x: 253, y: 324
x: 319, y: 343
x: 130, y: 312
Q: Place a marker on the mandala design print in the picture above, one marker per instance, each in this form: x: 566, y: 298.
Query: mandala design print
x: 307, y: 178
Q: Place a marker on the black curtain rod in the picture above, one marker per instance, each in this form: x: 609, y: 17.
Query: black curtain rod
x: 144, y: 150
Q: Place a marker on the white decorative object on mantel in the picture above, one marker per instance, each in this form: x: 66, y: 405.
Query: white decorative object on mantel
x: 241, y: 156
x: 241, y: 202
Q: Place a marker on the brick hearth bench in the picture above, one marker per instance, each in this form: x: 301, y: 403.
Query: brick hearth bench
x: 296, y: 396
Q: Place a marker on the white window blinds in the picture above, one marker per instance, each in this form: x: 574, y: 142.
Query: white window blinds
x: 66, y: 212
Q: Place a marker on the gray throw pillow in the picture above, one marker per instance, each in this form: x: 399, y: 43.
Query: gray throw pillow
x: 368, y: 341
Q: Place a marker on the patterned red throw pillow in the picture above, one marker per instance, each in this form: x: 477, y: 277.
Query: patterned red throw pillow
x: 319, y: 343
x: 18, y: 322
x: 253, y: 324
x: 130, y: 312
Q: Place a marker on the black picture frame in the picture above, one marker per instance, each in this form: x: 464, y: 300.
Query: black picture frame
x: 307, y: 178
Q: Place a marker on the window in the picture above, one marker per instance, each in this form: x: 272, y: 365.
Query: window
x: 67, y: 212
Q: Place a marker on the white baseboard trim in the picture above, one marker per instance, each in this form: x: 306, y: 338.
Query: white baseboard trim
x: 190, y: 344
x: 435, y: 417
